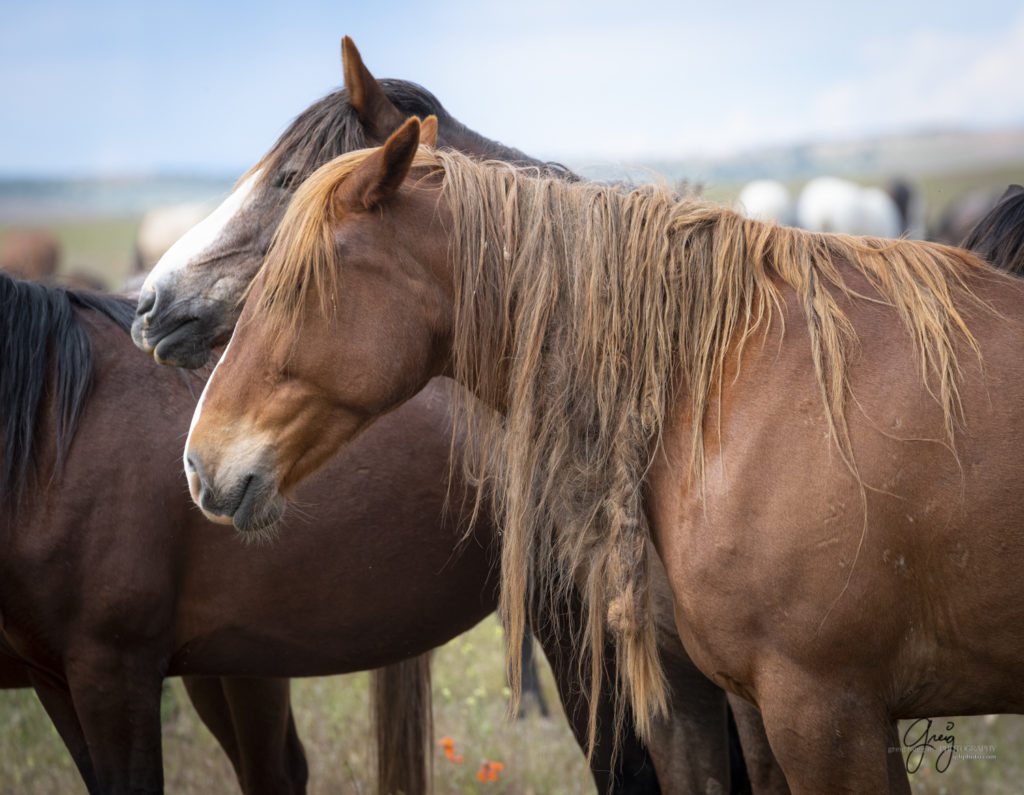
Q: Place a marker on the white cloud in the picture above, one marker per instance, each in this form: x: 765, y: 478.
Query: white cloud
x: 928, y: 79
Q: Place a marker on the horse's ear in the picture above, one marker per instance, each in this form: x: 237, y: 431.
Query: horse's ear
x: 377, y: 113
x: 382, y: 173
x: 428, y: 131
x: 1011, y: 191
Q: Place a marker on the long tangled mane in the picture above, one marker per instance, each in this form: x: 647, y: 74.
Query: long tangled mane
x: 606, y: 307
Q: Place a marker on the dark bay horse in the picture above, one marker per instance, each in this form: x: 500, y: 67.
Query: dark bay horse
x: 191, y: 300
x: 111, y: 580
x: 821, y: 434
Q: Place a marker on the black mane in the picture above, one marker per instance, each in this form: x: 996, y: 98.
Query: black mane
x: 44, y: 350
x: 331, y: 127
x: 999, y: 235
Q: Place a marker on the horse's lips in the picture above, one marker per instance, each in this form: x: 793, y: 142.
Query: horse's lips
x: 183, y: 346
x: 257, y: 508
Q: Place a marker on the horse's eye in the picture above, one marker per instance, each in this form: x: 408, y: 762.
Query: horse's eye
x: 285, y: 179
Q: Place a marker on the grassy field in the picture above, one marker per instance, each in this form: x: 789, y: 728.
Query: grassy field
x: 98, y: 247
x: 539, y: 754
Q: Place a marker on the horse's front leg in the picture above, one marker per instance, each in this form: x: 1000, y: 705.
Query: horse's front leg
x: 634, y: 770
x: 56, y: 700
x: 829, y: 737
x: 766, y: 777
x: 271, y: 758
x: 690, y: 745
x: 251, y: 717
x: 116, y: 696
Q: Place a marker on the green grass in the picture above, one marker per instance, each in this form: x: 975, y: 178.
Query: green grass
x: 101, y: 248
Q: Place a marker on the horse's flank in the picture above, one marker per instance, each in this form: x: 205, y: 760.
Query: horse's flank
x: 610, y: 307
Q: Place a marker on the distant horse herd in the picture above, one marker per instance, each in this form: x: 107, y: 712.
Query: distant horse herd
x: 111, y: 579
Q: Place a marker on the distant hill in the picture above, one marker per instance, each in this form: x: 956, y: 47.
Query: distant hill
x: 26, y: 200
x: 920, y: 156
x: 924, y: 154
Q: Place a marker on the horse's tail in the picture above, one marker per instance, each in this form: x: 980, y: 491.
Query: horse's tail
x: 403, y: 716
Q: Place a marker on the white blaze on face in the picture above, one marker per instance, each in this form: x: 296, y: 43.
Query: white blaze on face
x: 238, y: 454
x: 200, y: 237
x: 192, y: 478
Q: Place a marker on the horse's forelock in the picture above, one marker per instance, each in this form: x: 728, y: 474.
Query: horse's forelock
x: 331, y: 127
x: 302, y: 259
x: 326, y: 129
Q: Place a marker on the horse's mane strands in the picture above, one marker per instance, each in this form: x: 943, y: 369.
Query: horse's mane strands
x: 605, y: 303
x: 326, y: 129
x: 331, y: 127
x: 608, y: 306
x: 302, y: 259
x: 44, y: 351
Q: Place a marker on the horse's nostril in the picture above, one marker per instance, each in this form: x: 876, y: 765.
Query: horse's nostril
x: 146, y: 302
x: 190, y: 464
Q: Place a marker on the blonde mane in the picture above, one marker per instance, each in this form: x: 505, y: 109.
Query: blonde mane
x: 605, y: 306
x: 301, y: 260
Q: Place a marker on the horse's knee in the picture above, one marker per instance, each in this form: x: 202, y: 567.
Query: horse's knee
x: 827, y: 742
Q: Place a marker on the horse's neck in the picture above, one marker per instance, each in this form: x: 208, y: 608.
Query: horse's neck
x: 458, y: 136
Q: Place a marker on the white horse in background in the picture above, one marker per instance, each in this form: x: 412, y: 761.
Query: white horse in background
x: 767, y: 200
x: 830, y: 204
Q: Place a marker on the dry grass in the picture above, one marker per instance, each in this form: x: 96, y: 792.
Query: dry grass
x: 538, y: 754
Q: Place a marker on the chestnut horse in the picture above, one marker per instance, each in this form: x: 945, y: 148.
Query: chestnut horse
x: 822, y: 434
x: 191, y: 300
x: 111, y: 580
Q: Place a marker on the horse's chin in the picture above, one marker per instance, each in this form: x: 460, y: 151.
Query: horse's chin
x: 217, y: 518
x: 259, y: 518
x: 186, y: 346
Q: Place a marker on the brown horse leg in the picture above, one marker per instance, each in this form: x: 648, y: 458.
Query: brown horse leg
x: 827, y: 738
x: 271, y: 759
x: 56, y: 701
x: 403, y: 715
x: 766, y: 776
x: 116, y: 696
x: 211, y: 704
x: 898, y: 781
x: 531, y: 689
x: 690, y: 744
x: 693, y: 747
x: 634, y: 771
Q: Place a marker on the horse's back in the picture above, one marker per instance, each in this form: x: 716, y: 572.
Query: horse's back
x: 894, y: 556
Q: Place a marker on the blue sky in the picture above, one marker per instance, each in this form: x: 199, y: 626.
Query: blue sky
x: 115, y: 87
